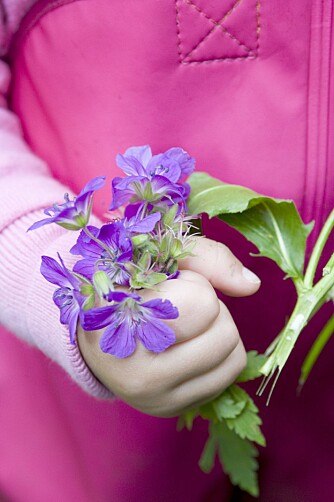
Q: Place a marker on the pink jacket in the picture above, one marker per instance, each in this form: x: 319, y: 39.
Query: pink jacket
x: 245, y: 87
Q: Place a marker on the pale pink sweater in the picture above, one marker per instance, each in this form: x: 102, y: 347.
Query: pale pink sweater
x: 26, y: 188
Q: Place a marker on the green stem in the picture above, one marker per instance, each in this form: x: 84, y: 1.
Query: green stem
x: 307, y: 305
x: 100, y: 243
x: 316, y: 350
x: 317, y: 250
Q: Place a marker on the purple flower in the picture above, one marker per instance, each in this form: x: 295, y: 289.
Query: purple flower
x: 152, y: 178
x: 67, y: 297
x: 174, y: 164
x: 128, y: 319
x: 72, y: 214
x: 134, y: 223
x: 112, y: 236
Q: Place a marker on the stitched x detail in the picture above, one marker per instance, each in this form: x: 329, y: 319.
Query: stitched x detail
x: 233, y: 35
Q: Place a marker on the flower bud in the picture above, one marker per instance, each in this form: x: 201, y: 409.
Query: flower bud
x: 102, y: 283
x: 138, y: 240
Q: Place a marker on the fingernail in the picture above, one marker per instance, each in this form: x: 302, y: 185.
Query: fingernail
x: 250, y: 276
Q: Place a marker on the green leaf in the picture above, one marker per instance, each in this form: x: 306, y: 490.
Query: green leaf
x: 139, y: 239
x: 176, y: 248
x: 273, y: 225
x: 247, y: 423
x: 254, y: 363
x: 237, y: 457
x: 169, y: 217
x: 226, y: 406
x: 234, y: 423
x: 187, y: 419
x: 207, y: 460
x: 212, y: 196
x: 164, y: 247
x: 141, y: 280
x: 144, y: 261
x: 88, y: 303
x: 102, y: 283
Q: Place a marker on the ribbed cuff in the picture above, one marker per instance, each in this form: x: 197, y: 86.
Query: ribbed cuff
x: 26, y: 304
x: 20, y: 193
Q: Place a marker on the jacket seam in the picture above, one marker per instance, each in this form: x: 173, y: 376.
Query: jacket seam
x: 31, y: 19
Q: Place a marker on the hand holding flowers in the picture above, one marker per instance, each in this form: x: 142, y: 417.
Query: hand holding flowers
x: 126, y: 288
x: 208, y: 354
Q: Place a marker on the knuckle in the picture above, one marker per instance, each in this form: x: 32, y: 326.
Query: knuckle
x: 221, y: 254
x: 242, y: 360
x: 231, y: 338
x: 239, y: 360
x: 209, y: 302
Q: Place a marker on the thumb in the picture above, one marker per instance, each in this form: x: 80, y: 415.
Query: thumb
x: 221, y: 268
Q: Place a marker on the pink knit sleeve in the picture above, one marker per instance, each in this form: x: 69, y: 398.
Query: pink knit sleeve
x: 26, y: 306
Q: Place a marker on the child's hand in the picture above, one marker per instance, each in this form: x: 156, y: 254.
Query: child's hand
x: 209, y: 353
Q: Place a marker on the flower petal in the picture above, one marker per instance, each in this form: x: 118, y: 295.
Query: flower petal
x: 186, y: 163
x: 164, y: 166
x: 122, y: 191
x: 72, y: 326
x: 85, y: 246
x: 155, y: 335
x: 130, y: 165
x: 92, y: 185
x: 162, y: 309
x: 134, y: 160
x: 85, y: 267
x: 41, y: 223
x: 98, y: 318
x: 120, y: 296
x: 118, y: 341
x: 53, y: 272
x: 145, y: 225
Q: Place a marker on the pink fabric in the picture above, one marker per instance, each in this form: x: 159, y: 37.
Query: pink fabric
x: 244, y: 87
x: 26, y: 186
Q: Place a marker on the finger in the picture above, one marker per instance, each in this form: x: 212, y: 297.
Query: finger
x: 185, y: 361
x: 203, y: 388
x: 195, y: 299
x: 221, y: 268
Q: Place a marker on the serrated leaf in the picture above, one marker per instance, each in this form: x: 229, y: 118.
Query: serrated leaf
x: 207, y: 460
x: 226, y: 406
x: 273, y: 225
x: 207, y: 412
x: 237, y: 456
x: 187, y: 419
x: 247, y: 423
x: 254, y: 363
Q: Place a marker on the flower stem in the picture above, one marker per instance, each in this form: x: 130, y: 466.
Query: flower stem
x: 307, y: 305
x: 317, y: 250
x: 100, y: 243
x: 316, y: 350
